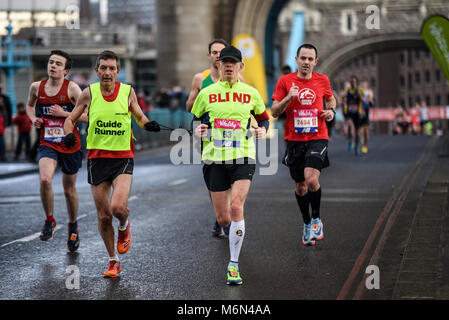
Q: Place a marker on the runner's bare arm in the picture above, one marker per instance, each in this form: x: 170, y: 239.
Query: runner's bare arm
x: 196, y: 87
x: 74, y: 93
x: 80, y: 108
x: 279, y: 107
x: 136, y: 111
x: 31, y: 104
x: 329, y: 112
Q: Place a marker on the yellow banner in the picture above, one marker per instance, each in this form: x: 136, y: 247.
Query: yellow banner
x: 254, y: 71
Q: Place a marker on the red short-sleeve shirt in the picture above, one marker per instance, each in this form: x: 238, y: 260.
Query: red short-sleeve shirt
x: 302, y: 113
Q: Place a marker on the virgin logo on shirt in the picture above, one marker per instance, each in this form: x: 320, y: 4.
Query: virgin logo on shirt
x: 306, y: 97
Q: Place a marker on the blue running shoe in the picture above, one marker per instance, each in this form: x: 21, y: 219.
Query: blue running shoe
x: 306, y: 240
x: 316, y: 232
x: 226, y: 230
x: 218, y: 230
x: 350, y: 146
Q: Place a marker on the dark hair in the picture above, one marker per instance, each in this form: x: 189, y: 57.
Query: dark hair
x: 286, y: 69
x: 106, y: 55
x: 354, y: 77
x: 68, y: 58
x: 223, y: 42
x: 20, y: 104
x: 307, y: 46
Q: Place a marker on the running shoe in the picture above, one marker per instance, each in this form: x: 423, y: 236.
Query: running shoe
x: 226, y: 230
x: 113, y: 269
x: 356, y: 151
x: 306, y: 240
x: 217, y: 231
x: 73, y: 241
x: 364, y: 150
x: 124, y: 240
x: 48, y: 230
x: 233, y: 276
x: 350, y: 146
x: 316, y: 232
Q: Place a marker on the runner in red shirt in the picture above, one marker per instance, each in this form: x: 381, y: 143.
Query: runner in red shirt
x: 50, y: 101
x: 300, y: 95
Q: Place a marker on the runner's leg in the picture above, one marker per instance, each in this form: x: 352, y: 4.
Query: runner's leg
x: 101, y: 195
x: 71, y: 196
x: 47, y: 168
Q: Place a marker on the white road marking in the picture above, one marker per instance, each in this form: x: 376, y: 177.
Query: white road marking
x: 177, y: 182
x: 35, y: 235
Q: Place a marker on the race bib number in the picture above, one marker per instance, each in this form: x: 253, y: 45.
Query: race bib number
x: 225, y: 133
x: 306, y: 120
x: 54, y: 130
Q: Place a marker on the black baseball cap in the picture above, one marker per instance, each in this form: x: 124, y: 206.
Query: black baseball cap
x: 231, y: 52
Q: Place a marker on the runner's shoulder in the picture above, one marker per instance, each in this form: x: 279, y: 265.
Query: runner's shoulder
x: 320, y: 76
x: 246, y: 87
x: 35, y: 85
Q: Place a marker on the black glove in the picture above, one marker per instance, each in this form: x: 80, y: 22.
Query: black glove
x: 152, y: 126
x: 69, y: 140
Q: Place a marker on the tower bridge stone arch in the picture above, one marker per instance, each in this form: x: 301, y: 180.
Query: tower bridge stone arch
x: 186, y: 26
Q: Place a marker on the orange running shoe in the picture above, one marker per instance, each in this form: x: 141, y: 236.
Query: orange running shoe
x: 113, y: 269
x: 124, y: 240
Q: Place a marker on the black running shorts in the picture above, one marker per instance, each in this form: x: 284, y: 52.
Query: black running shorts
x: 220, y: 177
x: 310, y: 154
x: 107, y: 169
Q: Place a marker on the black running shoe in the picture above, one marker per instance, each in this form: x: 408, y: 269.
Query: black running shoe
x: 48, y: 230
x: 73, y: 240
x: 217, y: 231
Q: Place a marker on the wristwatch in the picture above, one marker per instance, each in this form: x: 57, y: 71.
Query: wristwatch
x: 333, y: 110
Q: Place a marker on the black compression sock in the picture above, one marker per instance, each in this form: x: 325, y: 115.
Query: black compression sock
x: 303, y: 203
x: 315, y: 202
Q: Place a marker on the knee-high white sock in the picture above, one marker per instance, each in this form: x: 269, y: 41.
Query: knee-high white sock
x: 236, y: 235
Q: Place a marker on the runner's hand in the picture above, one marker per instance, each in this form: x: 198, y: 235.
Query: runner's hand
x: 57, y: 111
x: 69, y: 140
x: 294, y: 91
x: 152, y: 126
x: 201, y: 131
x: 259, y: 132
x: 37, y: 122
x: 327, y: 114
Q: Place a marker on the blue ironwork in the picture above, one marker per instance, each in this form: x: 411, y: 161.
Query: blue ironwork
x: 296, y: 39
x: 16, y: 54
x: 270, y: 30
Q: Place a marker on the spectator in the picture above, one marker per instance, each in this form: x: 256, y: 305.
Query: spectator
x: 142, y: 103
x: 176, y: 98
x: 24, y: 128
x: 162, y: 98
x: 5, y: 104
x: 2, y: 135
x: 286, y: 70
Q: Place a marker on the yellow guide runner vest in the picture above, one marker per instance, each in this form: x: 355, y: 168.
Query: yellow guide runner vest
x: 109, y: 122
